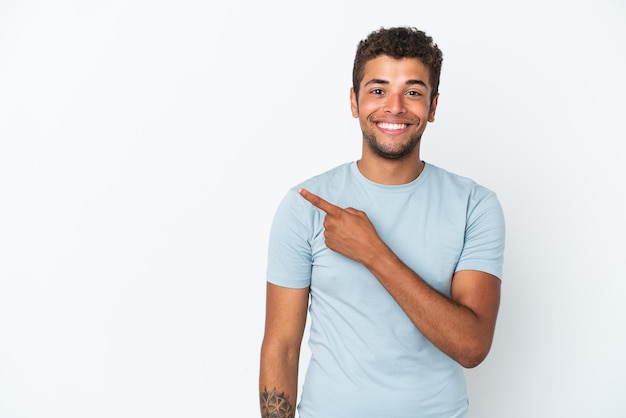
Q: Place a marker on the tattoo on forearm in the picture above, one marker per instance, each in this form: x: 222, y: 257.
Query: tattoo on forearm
x: 276, y: 405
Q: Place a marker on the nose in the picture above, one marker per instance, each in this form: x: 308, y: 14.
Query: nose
x: 395, y: 104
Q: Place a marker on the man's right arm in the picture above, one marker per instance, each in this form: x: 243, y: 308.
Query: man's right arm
x: 285, y: 319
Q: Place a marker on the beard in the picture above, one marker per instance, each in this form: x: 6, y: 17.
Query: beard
x: 393, y: 152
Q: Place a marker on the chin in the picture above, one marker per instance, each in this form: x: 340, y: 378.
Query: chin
x: 395, y: 153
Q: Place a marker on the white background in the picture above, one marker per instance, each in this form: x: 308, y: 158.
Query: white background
x: 144, y: 146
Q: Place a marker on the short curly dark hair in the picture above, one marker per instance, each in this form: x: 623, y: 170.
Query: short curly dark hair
x: 398, y: 42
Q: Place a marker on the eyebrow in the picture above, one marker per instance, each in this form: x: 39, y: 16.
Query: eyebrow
x: 409, y: 82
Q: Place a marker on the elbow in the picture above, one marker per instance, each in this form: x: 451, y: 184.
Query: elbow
x: 280, y: 352
x: 471, y: 362
x: 473, y: 355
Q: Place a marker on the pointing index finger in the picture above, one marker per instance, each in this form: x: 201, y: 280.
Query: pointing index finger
x: 318, y: 202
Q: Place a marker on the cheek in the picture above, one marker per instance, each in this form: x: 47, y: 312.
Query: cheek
x: 365, y: 110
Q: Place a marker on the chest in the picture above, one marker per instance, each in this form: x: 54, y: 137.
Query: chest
x: 425, y: 231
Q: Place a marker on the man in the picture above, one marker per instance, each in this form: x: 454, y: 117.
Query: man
x: 401, y: 261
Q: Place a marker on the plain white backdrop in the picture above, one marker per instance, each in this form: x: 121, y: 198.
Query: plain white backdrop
x: 144, y: 146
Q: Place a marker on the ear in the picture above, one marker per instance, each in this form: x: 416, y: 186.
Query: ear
x: 433, y: 109
x: 354, y: 105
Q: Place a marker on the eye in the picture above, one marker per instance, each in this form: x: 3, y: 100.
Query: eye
x: 377, y: 92
x: 414, y: 93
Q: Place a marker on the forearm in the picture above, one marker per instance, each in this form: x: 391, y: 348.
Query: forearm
x: 285, y: 320
x: 278, y: 382
x: 454, y: 328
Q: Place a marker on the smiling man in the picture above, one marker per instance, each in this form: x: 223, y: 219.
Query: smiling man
x: 398, y: 261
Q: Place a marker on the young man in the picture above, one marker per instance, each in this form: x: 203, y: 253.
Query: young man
x: 401, y: 261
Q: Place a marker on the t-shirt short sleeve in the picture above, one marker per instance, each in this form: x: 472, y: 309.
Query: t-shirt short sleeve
x: 289, y: 248
x: 483, y: 249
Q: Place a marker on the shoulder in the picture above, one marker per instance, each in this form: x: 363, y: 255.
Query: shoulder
x: 448, y: 181
x: 453, y: 179
x: 330, y: 176
x: 464, y: 190
x: 294, y: 206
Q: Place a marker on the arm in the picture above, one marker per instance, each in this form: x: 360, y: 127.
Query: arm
x: 461, y: 326
x: 285, y: 319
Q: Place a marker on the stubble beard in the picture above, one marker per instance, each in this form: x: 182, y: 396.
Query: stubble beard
x: 391, y: 153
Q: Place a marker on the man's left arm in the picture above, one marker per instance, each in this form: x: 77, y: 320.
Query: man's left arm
x: 462, y: 325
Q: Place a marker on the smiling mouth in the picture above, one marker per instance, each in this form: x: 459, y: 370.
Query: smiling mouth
x: 391, y: 126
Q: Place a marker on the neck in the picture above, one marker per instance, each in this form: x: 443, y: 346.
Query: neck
x: 391, y: 172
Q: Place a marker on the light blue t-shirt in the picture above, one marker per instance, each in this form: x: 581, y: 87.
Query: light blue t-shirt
x: 367, y: 358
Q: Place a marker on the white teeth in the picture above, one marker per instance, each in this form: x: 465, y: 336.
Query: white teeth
x: 392, y: 126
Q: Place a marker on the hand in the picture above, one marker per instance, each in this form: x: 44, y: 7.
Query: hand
x: 347, y: 231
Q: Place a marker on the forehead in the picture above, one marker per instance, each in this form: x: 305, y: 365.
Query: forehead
x: 394, y: 70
